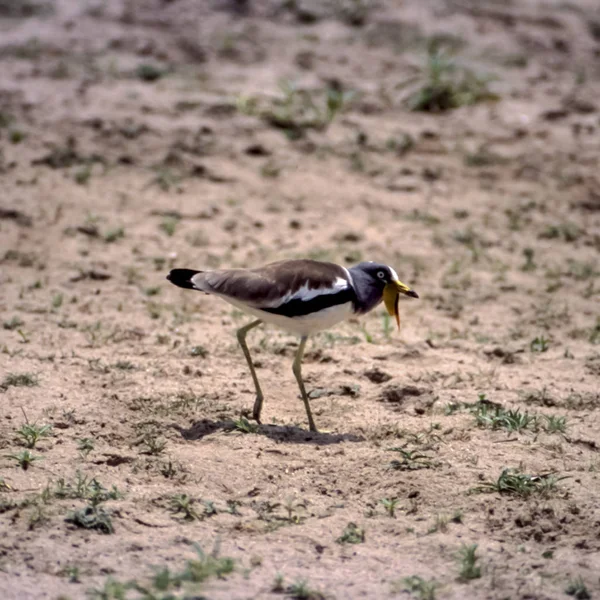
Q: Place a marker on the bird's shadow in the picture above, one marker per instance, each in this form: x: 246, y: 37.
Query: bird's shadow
x: 280, y: 433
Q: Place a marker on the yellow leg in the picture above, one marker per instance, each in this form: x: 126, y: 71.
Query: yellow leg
x: 297, y: 369
x: 241, y: 336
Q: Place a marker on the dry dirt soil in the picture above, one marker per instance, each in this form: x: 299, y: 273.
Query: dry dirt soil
x: 145, y: 134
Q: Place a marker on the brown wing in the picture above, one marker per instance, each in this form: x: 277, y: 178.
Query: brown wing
x: 272, y: 284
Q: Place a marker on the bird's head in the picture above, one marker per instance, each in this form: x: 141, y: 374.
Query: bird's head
x: 386, y: 280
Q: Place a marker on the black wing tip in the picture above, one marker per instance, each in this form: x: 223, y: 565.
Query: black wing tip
x: 182, y: 278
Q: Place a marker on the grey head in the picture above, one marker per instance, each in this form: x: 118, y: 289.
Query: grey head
x: 370, y: 279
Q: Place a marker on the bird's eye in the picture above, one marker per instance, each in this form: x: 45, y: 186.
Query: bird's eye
x: 380, y: 274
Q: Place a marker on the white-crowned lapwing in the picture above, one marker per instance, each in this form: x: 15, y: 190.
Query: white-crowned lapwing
x: 300, y: 296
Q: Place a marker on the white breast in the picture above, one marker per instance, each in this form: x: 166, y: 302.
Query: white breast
x: 304, y: 325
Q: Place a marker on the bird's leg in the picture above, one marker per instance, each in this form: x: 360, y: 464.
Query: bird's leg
x: 297, y: 369
x: 241, y: 336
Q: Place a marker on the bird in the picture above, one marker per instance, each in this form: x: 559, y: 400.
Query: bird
x: 301, y: 296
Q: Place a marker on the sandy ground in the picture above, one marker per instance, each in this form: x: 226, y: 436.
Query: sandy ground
x: 141, y: 135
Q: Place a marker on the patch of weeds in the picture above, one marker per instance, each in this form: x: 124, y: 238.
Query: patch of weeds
x: 183, y: 504
x: 85, y: 488
x: 299, y: 590
x: 529, y: 264
x: 491, y: 416
x: 152, y: 444
x: 424, y: 217
x: 278, y: 582
x: 483, y: 157
x: 568, y: 232
x: 16, y: 136
x: 13, y: 324
x: 452, y: 407
x: 111, y: 590
x: 298, y: 109
x: 539, y: 344
x: 469, y: 569
x: 368, y: 337
x: 209, y: 508
x: 514, y: 483
x: 400, y: 145
x: 167, y: 585
x: 72, y: 573
x: 85, y: 446
x: 232, y: 507
x: 410, y: 460
x: 200, y: 351
x: 149, y: 72
x: 24, y: 459
x: 19, y: 380
x: 37, y: 517
x: 472, y: 240
x: 554, y: 424
x: 291, y: 506
x: 352, y: 534
x: 270, y: 170
x: 83, y: 174
x: 57, y: 300
x: 242, y: 424
x: 98, y: 493
x: 113, y: 235
x: 440, y: 524
x: 169, y: 224
x: 390, y: 505
x: 594, y: 334
x: 207, y: 565
x: 581, y: 271
x: 32, y: 432
x: 418, y: 587
x: 124, y: 365
x: 577, y: 589
x: 443, y: 85
x: 91, y: 517
x: 165, y: 179
x: 152, y: 291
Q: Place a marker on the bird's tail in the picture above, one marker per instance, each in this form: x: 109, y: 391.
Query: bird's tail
x: 183, y: 278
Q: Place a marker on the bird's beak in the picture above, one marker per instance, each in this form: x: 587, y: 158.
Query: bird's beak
x: 391, y: 295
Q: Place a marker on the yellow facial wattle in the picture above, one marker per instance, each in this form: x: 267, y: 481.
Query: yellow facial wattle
x: 391, y: 296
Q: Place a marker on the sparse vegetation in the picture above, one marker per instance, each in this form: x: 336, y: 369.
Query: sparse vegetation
x: 139, y: 137
x: 578, y: 589
x: 149, y: 72
x: 390, y: 505
x: 85, y: 446
x: 410, y: 460
x: 183, y: 504
x: 443, y: 85
x: 513, y: 482
x: 539, y: 344
x: 352, y: 534
x: 469, y: 569
x: 19, y: 380
x: 91, y: 517
x: 168, y: 225
x: 32, y: 432
x: 242, y: 424
x: 298, y: 109
x: 14, y: 323
x: 24, y: 459
x: 420, y: 588
x: 299, y: 590
x: 113, y: 235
